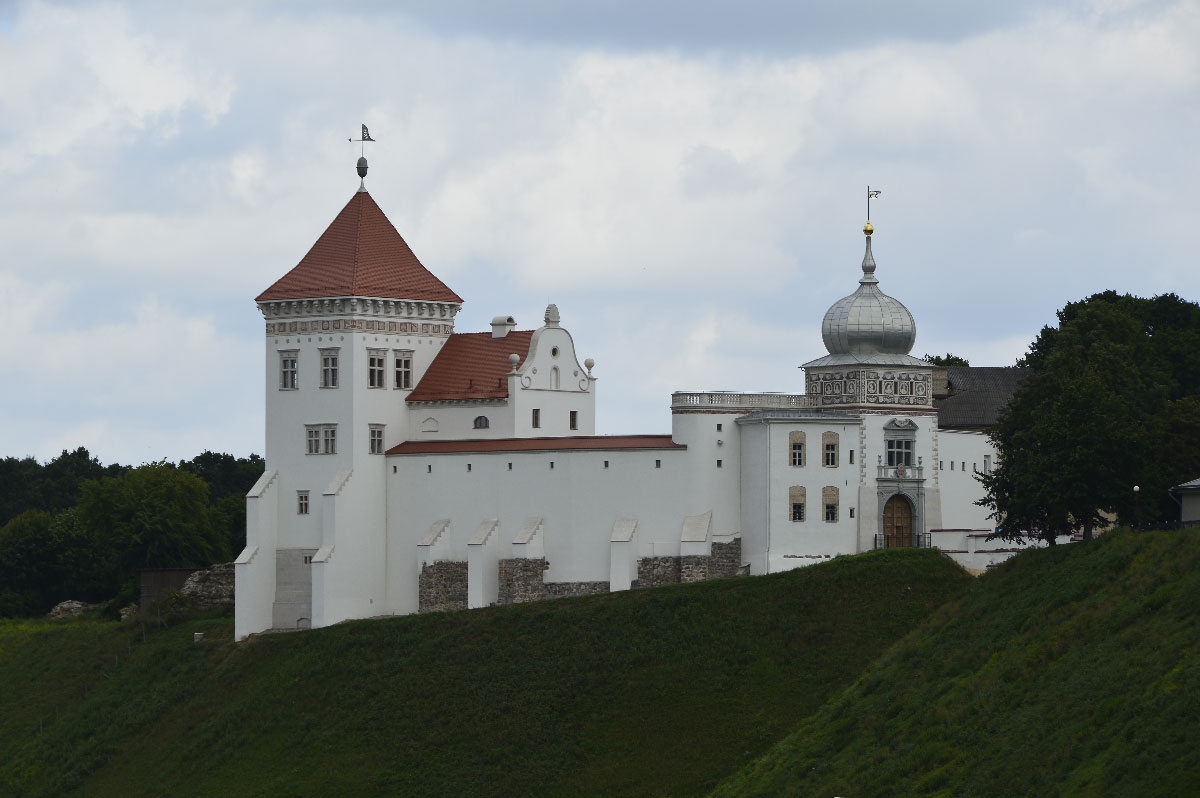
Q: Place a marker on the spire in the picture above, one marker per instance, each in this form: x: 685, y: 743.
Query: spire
x: 868, y: 264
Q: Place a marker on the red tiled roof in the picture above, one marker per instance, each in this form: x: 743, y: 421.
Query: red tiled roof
x: 538, y: 444
x: 471, y: 366
x: 360, y: 254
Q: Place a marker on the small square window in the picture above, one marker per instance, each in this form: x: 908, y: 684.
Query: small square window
x: 320, y: 439
x: 718, y: 464
x: 718, y: 428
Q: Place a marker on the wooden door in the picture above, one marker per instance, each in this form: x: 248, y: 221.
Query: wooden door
x: 897, y: 522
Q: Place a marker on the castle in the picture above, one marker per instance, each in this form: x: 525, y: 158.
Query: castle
x: 410, y: 467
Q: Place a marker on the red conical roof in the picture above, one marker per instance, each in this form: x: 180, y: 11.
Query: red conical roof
x: 360, y: 254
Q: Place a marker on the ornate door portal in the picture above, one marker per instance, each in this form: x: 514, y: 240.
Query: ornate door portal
x: 897, y: 522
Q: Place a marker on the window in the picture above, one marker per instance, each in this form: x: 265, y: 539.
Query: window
x: 851, y: 512
x: 796, y: 439
x: 510, y: 466
x: 829, y: 445
x: 301, y: 502
x: 796, y: 500
x: 404, y: 369
x: 537, y: 418
x: 468, y: 468
x: 320, y: 438
x: 376, y: 364
x: 287, y: 370
x: 851, y: 453
x: 574, y: 419
x: 987, y: 464
x: 606, y: 464
x: 329, y: 368
x: 551, y: 465
x: 899, y: 452
x: 951, y: 465
x: 376, y: 432
x: 718, y: 428
x: 481, y: 422
x: 718, y: 464
x: 308, y: 559
x: 941, y: 465
x: 964, y: 466
x: 829, y: 498
x: 554, y: 378
x: 658, y: 463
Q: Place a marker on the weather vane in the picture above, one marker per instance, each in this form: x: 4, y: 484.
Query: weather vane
x: 367, y: 137
x: 362, y: 158
x: 871, y: 194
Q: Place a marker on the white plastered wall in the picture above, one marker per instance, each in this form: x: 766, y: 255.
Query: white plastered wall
x: 254, y: 569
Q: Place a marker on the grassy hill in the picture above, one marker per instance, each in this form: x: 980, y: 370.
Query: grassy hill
x: 1070, y: 671
x: 661, y: 691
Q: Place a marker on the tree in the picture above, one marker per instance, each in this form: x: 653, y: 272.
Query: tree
x: 155, y: 516
x: 946, y: 360
x: 1112, y: 392
x: 229, y: 479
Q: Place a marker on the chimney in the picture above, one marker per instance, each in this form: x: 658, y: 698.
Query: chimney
x: 502, y: 326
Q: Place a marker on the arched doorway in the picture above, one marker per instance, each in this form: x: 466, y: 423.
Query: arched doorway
x: 897, y: 522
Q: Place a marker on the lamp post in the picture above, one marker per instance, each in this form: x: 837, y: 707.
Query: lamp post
x: 1136, y: 491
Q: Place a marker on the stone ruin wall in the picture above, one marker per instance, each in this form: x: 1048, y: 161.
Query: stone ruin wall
x: 442, y: 586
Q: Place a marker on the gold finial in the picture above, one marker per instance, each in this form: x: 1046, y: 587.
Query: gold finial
x: 868, y: 228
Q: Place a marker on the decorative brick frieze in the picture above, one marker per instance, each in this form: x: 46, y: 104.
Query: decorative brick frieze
x: 442, y: 586
x: 521, y: 580
x: 562, y: 589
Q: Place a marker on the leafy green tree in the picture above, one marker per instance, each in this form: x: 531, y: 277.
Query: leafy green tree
x: 54, y: 486
x: 155, y: 516
x: 229, y: 478
x: 1111, y: 404
x: 946, y: 360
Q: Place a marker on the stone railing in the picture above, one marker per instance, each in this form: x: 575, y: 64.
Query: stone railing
x: 900, y: 472
x: 685, y: 400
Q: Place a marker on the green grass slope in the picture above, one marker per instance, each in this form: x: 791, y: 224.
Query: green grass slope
x: 1069, y: 671
x: 659, y: 692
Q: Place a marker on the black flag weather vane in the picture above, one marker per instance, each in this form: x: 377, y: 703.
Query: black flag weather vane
x: 365, y: 138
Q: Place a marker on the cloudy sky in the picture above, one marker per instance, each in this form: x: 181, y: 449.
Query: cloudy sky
x: 685, y: 180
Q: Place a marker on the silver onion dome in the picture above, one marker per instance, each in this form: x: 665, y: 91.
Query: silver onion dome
x: 868, y: 322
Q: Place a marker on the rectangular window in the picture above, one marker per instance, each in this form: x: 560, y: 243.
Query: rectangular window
x: 899, y: 453
x: 851, y: 453
x: 941, y: 466
x: 287, y: 370
x: 329, y: 368
x: 964, y: 466
x: 320, y: 438
x: 797, y: 454
x: 376, y: 432
x: 537, y: 418
x: 797, y: 511
x: 376, y: 365
x: 831, y: 512
x: 574, y: 419
x: 301, y: 502
x: 658, y: 463
x: 987, y: 464
x: 606, y: 464
x: 851, y: 512
x: 404, y: 359
x: 718, y: 428
x: 831, y: 455
x: 718, y: 464
x: 308, y: 559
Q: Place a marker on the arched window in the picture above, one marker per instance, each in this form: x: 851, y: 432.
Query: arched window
x: 554, y: 378
x: 481, y: 422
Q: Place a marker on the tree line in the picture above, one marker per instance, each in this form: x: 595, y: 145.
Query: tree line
x: 73, y: 528
x: 1112, y: 401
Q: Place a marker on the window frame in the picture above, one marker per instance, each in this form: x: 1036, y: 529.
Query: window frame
x: 481, y: 422
x: 376, y: 368
x: 301, y: 502
x: 402, y: 369
x: 831, y: 513
x: 375, y: 438
x: 831, y: 455
x: 320, y: 439
x: 574, y: 419
x: 289, y: 369
x: 798, y: 512
x: 797, y: 455
x: 535, y: 418
x: 330, y: 361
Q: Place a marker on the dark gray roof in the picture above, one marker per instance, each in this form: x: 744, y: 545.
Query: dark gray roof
x: 976, y: 394
x: 1187, y: 487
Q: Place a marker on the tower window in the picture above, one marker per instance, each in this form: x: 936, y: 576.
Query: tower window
x: 376, y: 364
x: 329, y: 368
x: 481, y: 422
x: 376, y: 435
x: 301, y: 502
x: 329, y: 439
x: 288, y: 371
x: 574, y: 419
x: 320, y: 438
